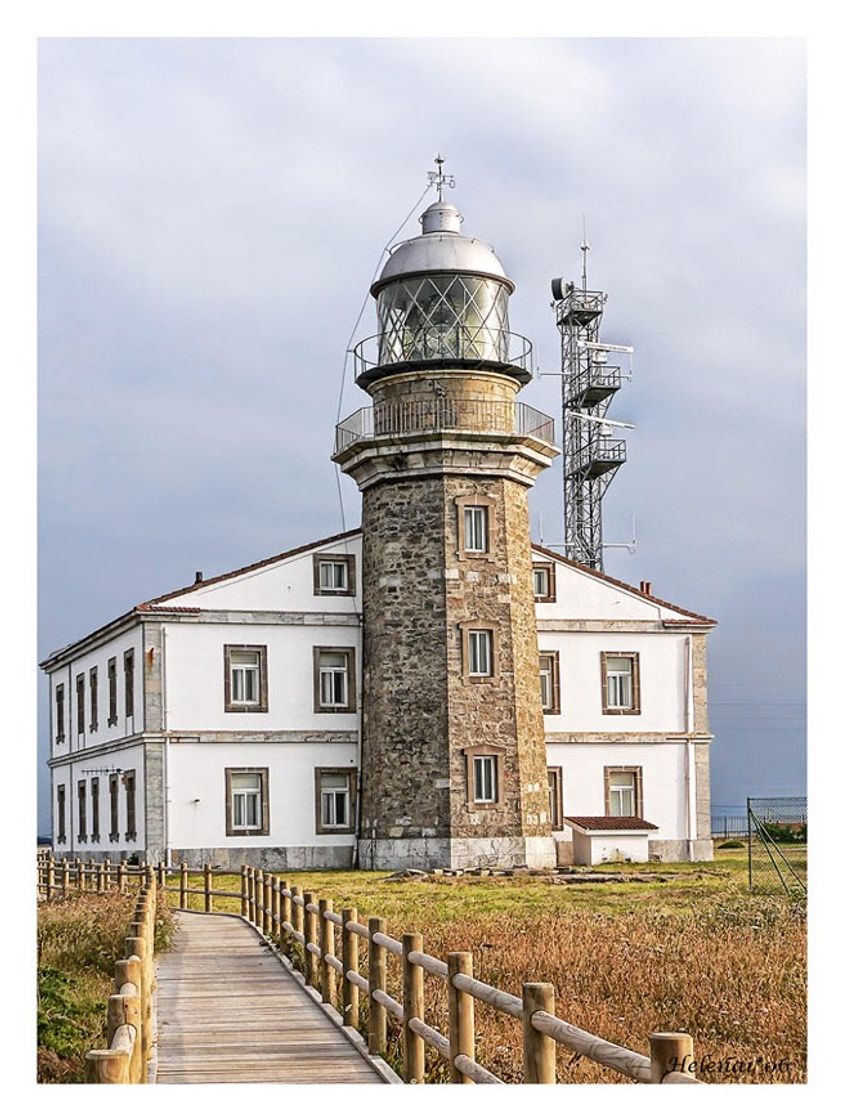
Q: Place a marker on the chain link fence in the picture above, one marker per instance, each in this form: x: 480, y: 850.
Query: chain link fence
x: 778, y: 845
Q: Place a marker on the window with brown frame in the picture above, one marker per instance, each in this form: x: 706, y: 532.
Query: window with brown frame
x: 544, y: 582
x: 83, y: 812
x: 334, y: 679
x: 549, y: 681
x: 484, y: 776
x: 334, y: 574
x: 247, y: 801
x: 480, y: 651
x: 129, y: 682
x: 80, y: 704
x: 476, y: 523
x: 94, y: 700
x: 246, y: 678
x: 59, y: 713
x: 336, y: 797
x: 114, y: 807
x: 112, y: 691
x: 623, y: 791
x: 620, y: 683
x: 61, y: 810
x: 554, y: 782
x: 129, y: 785
x: 95, y: 810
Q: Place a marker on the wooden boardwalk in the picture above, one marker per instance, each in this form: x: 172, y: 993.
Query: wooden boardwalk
x: 229, y: 1011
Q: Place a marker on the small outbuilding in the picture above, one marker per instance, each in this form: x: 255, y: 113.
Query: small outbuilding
x: 610, y: 839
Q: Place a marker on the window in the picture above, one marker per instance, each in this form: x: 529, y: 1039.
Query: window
x: 246, y: 680
x: 336, y: 791
x: 80, y: 704
x: 61, y: 837
x: 623, y: 791
x: 333, y: 574
x: 59, y: 713
x: 484, y: 766
x: 544, y: 583
x: 621, y: 692
x: 92, y: 689
x: 95, y: 810
x: 112, y: 691
x: 129, y: 681
x: 554, y: 781
x: 129, y: 784
x: 480, y: 653
x: 83, y: 812
x: 334, y: 680
x: 247, y: 801
x: 549, y: 679
x: 113, y: 805
x: 475, y: 526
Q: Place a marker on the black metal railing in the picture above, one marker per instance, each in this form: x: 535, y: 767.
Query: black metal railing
x: 469, y: 346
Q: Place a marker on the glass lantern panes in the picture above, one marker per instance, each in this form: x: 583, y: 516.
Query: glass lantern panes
x: 246, y: 800
x: 335, y: 801
x: 443, y: 315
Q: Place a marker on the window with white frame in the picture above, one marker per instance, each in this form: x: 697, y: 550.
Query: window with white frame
x: 59, y: 713
x: 480, y: 653
x: 61, y: 837
x: 544, y: 582
x: 333, y: 679
x: 333, y: 573
x: 554, y: 784
x: 334, y: 799
x: 245, y: 801
x: 622, y: 786
x: 549, y: 681
x: 485, y: 778
x: 476, y: 528
x: 246, y: 686
x: 620, y: 683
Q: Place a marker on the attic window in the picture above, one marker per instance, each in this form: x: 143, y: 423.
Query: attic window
x: 544, y: 583
x: 333, y: 574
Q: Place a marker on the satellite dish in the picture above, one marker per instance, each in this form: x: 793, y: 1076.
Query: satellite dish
x: 560, y: 287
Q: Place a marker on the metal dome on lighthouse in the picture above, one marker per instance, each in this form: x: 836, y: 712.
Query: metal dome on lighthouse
x: 442, y: 299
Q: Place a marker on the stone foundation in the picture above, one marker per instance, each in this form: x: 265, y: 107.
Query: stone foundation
x: 681, y: 851
x: 311, y: 858
x: 458, y: 852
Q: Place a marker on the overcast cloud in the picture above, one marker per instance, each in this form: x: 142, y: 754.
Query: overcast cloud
x: 211, y: 212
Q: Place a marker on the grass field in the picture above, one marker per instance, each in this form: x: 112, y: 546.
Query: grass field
x: 694, y: 952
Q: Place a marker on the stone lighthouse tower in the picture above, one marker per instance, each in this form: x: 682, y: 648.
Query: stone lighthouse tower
x: 453, y: 764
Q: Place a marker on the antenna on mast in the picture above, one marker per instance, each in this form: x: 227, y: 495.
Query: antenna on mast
x: 439, y: 179
x: 584, y: 247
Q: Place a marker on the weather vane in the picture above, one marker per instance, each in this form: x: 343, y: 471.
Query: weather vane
x: 438, y: 178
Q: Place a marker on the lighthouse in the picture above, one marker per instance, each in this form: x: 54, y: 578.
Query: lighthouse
x: 453, y: 758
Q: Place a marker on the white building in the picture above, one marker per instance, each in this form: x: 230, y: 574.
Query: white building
x: 222, y: 722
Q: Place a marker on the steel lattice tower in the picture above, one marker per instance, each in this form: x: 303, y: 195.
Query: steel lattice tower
x: 591, y: 456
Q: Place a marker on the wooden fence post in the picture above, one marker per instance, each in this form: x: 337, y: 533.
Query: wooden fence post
x: 297, y: 919
x: 259, y: 914
x: 251, y: 894
x: 100, y: 878
x: 107, y: 1067
x: 137, y: 947
x: 539, y: 1049
x: 413, y: 975
x: 107, y: 869
x: 183, y: 886
x: 51, y: 876
x: 327, y: 976
x: 350, y: 963
x: 162, y: 874
x: 129, y: 972
x: 208, y: 884
x: 460, y: 1015
x: 80, y: 876
x: 267, y: 903
x: 244, y: 891
x: 65, y: 878
x: 121, y: 877
x: 670, y: 1052
x: 284, y: 915
x: 276, y: 910
x: 377, y: 980
x: 311, y: 937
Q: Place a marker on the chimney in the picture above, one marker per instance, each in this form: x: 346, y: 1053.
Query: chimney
x: 199, y: 577
x: 646, y: 587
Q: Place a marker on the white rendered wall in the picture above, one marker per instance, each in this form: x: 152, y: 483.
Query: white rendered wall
x: 662, y: 781
x: 591, y: 849
x: 196, y: 792
x: 582, y: 595
x: 71, y: 773
x: 195, y: 678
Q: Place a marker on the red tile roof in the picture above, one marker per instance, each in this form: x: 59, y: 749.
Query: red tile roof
x: 612, y: 824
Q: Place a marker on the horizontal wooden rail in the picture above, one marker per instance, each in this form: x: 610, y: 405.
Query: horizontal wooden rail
x: 591, y: 1046
x: 476, y: 1072
x: 431, y: 1036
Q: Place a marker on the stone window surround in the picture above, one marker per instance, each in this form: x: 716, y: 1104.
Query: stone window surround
x: 112, y: 691
x: 129, y: 683
x: 638, y: 773
x: 130, y: 785
x: 332, y: 829
x: 351, y: 679
x: 263, y: 774
x: 61, y: 811
x: 114, y: 807
x: 491, y: 526
x: 347, y: 558
x: 82, y: 800
x: 549, y: 567
x: 554, y: 776
x: 555, y: 708
x: 479, y: 624
x: 95, y: 810
x: 470, y: 754
x: 60, y: 713
x: 80, y: 703
x: 635, y: 708
x: 94, y: 702
x: 262, y: 704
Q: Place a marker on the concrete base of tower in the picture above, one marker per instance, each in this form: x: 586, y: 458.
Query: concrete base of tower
x: 458, y: 852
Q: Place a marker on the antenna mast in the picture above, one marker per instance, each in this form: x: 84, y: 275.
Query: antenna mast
x: 591, y: 453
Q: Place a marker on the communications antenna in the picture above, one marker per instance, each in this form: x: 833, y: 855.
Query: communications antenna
x: 592, y: 454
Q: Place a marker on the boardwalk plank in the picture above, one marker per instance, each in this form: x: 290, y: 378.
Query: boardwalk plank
x: 228, y: 1011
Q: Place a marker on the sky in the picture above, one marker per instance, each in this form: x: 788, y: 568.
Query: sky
x: 211, y: 213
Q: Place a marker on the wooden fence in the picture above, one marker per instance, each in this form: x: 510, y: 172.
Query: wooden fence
x: 305, y: 930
